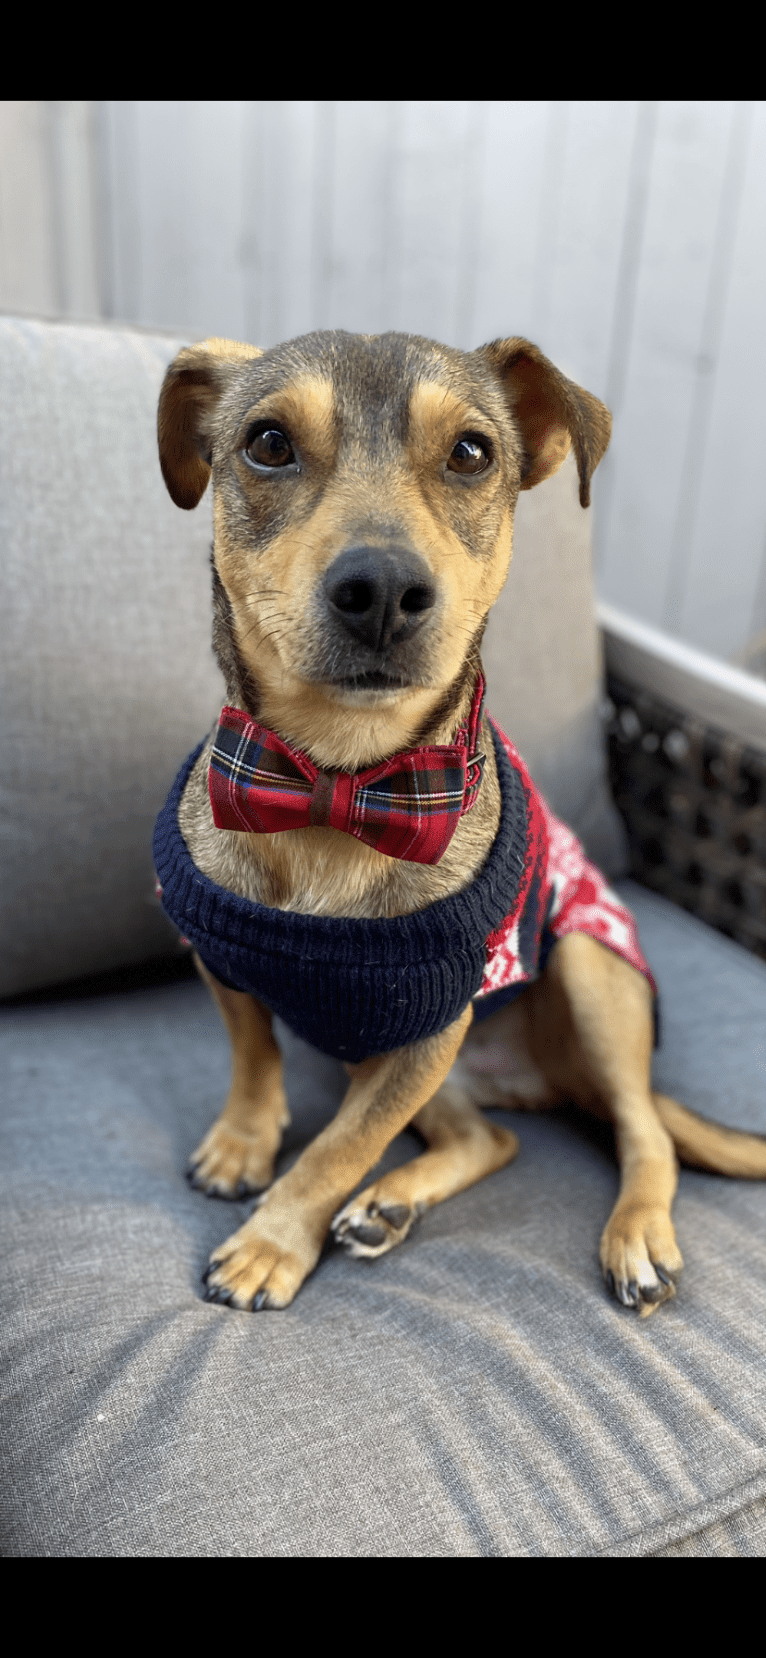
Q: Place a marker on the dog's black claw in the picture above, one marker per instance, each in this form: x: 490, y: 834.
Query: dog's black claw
x: 211, y: 1267
x: 626, y: 1294
x: 244, y: 1190
x: 652, y: 1292
x: 663, y: 1273
x: 260, y: 1300
x: 396, y: 1214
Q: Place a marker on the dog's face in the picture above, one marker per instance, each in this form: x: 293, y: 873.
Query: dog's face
x: 365, y: 488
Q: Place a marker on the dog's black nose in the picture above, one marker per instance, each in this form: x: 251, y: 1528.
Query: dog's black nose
x: 379, y: 593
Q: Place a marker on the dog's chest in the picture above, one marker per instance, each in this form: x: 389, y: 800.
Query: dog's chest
x: 324, y: 872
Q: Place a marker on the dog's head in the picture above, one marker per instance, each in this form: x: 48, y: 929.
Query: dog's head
x: 365, y: 488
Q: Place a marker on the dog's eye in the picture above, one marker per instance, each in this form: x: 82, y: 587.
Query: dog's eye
x: 469, y: 455
x: 271, y: 447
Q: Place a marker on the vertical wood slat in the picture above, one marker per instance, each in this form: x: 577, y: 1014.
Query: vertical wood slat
x: 28, y: 275
x: 661, y: 387
x: 724, y: 598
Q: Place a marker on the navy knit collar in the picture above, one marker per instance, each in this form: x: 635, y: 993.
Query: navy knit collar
x: 204, y: 910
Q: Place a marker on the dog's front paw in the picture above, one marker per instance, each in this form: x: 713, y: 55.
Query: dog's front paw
x: 370, y: 1225
x: 230, y: 1164
x: 640, y: 1258
x: 261, y: 1265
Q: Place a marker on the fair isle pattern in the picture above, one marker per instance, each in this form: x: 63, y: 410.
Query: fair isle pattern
x: 572, y: 897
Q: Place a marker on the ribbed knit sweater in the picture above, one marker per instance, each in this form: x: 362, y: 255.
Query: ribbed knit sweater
x: 353, y: 988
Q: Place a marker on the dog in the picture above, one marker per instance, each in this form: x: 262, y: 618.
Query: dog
x: 356, y: 846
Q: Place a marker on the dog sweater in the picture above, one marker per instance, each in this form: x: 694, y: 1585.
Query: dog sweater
x: 354, y: 988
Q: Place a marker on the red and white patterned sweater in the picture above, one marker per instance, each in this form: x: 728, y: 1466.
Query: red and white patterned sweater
x: 572, y: 897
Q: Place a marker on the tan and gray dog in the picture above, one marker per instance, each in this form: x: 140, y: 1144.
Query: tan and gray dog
x: 365, y: 489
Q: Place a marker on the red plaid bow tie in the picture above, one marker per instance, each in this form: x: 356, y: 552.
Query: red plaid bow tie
x: 408, y: 807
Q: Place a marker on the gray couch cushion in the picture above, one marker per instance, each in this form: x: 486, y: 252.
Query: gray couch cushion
x: 476, y: 1393
x: 106, y: 674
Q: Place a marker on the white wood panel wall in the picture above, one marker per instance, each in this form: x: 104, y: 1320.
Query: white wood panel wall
x: 627, y: 239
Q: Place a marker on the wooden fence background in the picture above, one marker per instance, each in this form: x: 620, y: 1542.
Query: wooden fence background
x: 628, y: 239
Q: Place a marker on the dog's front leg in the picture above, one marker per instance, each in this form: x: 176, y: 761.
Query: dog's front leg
x: 266, y: 1261
x: 238, y: 1153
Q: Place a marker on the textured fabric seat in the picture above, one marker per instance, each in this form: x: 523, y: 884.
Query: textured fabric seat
x: 475, y: 1393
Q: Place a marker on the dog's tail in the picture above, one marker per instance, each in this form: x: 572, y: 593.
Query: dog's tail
x: 706, y: 1145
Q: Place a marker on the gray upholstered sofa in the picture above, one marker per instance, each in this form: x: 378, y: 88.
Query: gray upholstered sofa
x: 475, y: 1393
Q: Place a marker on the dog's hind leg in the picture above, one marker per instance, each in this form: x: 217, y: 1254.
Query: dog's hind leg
x: 237, y: 1154
x: 462, y: 1146
x: 591, y: 1035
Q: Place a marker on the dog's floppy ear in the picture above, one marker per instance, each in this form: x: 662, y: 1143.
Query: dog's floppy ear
x: 190, y: 391
x: 552, y: 413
